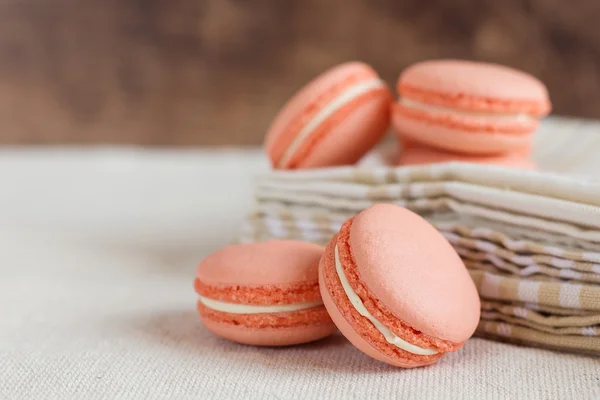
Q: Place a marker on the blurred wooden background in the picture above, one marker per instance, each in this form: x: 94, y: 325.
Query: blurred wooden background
x: 191, y: 72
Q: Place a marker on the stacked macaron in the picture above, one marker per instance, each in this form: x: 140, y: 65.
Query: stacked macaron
x: 468, y: 111
x: 388, y: 280
x: 448, y: 110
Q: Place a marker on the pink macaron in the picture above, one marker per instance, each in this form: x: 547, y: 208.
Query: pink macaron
x: 469, y: 107
x: 417, y: 154
x: 264, y: 294
x: 396, y: 288
x: 334, y: 120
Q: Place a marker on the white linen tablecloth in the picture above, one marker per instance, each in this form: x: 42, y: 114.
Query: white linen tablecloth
x: 98, y: 250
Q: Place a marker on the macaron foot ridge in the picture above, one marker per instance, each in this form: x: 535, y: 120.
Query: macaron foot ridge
x: 291, y: 293
x: 270, y: 336
x: 310, y: 316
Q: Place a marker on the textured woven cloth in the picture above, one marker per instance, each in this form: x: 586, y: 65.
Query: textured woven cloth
x: 531, y: 240
x: 98, y: 249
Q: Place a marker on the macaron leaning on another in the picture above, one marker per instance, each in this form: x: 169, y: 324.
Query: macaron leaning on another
x: 263, y: 293
x: 469, y: 107
x: 396, y: 288
x: 411, y: 153
x: 334, y: 120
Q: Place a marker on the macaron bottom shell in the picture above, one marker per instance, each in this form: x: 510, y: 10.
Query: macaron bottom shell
x: 457, y: 140
x: 360, y: 331
x: 278, y: 329
x: 423, y: 155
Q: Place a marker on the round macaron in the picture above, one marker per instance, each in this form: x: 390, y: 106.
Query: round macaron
x: 396, y: 288
x: 334, y: 120
x: 417, y: 154
x: 469, y: 107
x: 264, y: 294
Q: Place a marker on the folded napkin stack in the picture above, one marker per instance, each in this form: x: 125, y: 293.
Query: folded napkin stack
x: 531, y: 240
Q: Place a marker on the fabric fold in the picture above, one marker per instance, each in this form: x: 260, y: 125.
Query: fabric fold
x: 531, y: 240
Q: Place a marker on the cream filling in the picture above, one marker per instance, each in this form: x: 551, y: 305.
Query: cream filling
x: 337, y: 103
x: 362, y: 310
x: 254, y: 309
x: 519, y: 117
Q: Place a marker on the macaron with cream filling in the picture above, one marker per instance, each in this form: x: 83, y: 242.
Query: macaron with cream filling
x: 334, y: 120
x: 264, y: 294
x: 396, y: 288
x: 469, y: 107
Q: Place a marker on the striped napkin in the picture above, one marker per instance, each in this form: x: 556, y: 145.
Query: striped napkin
x: 531, y: 240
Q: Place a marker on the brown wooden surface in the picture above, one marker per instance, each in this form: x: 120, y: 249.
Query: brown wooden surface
x: 215, y: 72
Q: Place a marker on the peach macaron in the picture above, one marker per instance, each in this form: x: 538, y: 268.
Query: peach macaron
x: 396, y: 288
x: 469, y: 107
x: 264, y: 294
x: 334, y: 120
x: 417, y: 154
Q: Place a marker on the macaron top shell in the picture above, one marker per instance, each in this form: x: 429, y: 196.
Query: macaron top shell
x: 414, y: 272
x: 274, y: 262
x: 474, y: 86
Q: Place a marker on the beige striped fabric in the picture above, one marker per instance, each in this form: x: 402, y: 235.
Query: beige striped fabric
x: 531, y: 240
